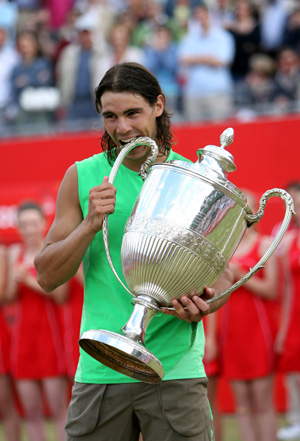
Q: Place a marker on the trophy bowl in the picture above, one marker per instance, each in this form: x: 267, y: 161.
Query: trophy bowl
x: 184, y: 228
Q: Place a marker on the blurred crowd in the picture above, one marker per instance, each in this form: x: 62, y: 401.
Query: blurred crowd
x: 213, y: 59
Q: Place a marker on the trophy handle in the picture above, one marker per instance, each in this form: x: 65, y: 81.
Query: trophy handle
x: 143, y: 172
x: 254, y: 218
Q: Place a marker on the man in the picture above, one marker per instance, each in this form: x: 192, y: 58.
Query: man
x: 132, y: 105
x: 78, y: 70
x: 205, y: 55
x: 8, y: 60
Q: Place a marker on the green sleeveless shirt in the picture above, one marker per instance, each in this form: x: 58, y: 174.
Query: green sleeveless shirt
x: 107, y: 305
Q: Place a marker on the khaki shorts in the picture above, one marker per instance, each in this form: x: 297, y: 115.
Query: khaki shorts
x: 169, y: 411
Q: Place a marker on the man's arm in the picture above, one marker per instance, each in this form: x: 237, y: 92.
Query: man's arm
x: 70, y: 235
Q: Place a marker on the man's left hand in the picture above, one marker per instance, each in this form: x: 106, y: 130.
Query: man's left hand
x: 193, y: 308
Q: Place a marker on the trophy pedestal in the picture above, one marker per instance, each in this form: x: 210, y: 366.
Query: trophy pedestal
x: 126, y: 353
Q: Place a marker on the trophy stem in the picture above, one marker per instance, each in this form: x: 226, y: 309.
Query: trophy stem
x: 144, y: 310
x: 126, y: 352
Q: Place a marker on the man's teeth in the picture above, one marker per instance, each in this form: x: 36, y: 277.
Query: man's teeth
x: 127, y: 140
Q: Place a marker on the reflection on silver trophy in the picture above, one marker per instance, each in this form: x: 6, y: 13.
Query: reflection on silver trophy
x: 185, y: 226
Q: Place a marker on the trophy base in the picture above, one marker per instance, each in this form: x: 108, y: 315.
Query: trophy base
x: 122, y: 354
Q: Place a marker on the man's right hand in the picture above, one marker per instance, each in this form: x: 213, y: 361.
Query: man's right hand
x: 102, y: 200
x: 70, y: 234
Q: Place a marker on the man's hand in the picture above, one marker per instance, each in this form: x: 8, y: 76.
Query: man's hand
x: 191, y: 309
x: 102, y: 201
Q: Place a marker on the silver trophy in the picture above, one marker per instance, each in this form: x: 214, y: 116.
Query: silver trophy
x: 185, y: 226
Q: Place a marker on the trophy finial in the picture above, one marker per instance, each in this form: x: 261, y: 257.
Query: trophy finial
x: 227, y: 137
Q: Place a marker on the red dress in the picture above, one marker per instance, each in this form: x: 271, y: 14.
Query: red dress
x: 212, y: 367
x: 4, y: 345
x: 71, y: 318
x: 248, y: 329
x: 290, y: 358
x: 37, y: 350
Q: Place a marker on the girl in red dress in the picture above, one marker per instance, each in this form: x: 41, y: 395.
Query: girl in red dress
x: 71, y: 311
x: 37, y: 352
x: 248, y: 331
x: 288, y: 339
x: 8, y: 408
x: 212, y: 367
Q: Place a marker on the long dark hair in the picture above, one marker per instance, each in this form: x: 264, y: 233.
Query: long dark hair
x: 134, y: 78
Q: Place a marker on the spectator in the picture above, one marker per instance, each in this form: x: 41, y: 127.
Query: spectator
x: 8, y: 20
x: 8, y: 409
x: 8, y: 60
x: 246, y: 32
x: 286, y: 81
x: 59, y: 11
x: 273, y: 21
x: 103, y: 14
x: 161, y: 59
x: 253, y: 95
x: 120, y: 49
x: 288, y: 341
x: 292, y: 30
x: 290, y: 378
x: 32, y: 72
x: 247, y: 342
x: 79, y: 68
x: 221, y: 13
x: 145, y: 29
x: 212, y: 368
x: 37, y: 351
x: 39, y: 23
x: 118, y: 5
x: 136, y: 9
x: 67, y: 33
x: 182, y: 14
x: 205, y: 55
x: 27, y: 10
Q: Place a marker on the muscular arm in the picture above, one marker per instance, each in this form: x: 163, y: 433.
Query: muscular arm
x: 70, y: 235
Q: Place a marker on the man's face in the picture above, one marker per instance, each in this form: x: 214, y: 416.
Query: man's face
x: 85, y: 39
x: 128, y: 116
x: 201, y: 14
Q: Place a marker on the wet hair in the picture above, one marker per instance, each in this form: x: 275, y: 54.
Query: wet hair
x: 134, y: 78
x: 30, y: 205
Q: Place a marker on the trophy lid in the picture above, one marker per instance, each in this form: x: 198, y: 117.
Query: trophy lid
x: 217, y: 158
x: 213, y: 165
